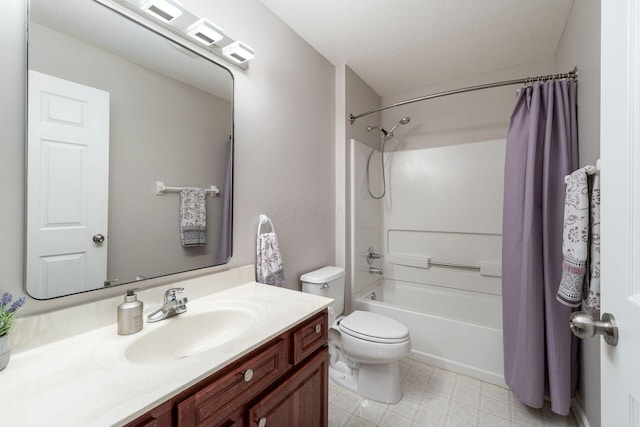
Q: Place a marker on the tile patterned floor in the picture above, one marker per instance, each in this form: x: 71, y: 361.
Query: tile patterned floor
x: 433, y: 397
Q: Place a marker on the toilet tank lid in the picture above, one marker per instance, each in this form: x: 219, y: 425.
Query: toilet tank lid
x: 323, y: 275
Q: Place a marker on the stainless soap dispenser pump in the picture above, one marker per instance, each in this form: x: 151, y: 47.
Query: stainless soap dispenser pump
x: 130, y: 314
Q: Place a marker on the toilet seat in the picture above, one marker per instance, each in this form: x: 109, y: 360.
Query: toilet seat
x: 374, y: 327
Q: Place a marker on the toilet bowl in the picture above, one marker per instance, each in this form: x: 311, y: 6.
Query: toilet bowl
x: 365, y: 348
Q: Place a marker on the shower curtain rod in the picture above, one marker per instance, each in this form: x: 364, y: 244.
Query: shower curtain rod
x: 570, y: 74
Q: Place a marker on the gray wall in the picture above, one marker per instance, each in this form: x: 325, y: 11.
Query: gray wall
x: 284, y: 133
x: 353, y: 96
x: 468, y: 117
x: 580, y: 46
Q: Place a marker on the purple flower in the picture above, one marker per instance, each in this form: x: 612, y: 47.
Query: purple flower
x: 8, y: 311
x: 17, y: 304
x: 6, y: 299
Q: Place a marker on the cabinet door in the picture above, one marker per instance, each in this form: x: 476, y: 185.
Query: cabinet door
x: 301, y: 400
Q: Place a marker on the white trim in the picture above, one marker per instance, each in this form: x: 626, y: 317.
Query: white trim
x: 578, y: 412
x: 340, y: 165
x: 460, y: 368
x: 633, y: 109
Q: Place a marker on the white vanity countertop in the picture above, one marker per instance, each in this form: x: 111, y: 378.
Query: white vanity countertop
x: 85, y: 380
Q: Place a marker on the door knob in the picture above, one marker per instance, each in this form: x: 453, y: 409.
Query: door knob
x: 98, y: 238
x: 584, y: 326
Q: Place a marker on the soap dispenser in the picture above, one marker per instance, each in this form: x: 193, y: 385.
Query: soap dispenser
x: 130, y: 314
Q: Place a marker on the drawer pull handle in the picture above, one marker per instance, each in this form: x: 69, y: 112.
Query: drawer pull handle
x: 248, y: 374
x: 318, y: 329
x: 262, y: 422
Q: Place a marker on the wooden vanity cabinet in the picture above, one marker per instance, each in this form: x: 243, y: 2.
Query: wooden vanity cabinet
x: 283, y: 383
x: 300, y: 401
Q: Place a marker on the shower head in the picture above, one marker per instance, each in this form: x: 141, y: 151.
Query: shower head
x: 389, y: 135
x: 403, y: 121
x: 370, y: 128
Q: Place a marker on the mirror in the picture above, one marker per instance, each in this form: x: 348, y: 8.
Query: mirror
x: 113, y: 109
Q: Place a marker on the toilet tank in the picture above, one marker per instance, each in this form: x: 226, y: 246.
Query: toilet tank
x: 327, y: 282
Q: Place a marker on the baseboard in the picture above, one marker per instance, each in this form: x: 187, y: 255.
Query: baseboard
x: 457, y: 367
x: 578, y: 412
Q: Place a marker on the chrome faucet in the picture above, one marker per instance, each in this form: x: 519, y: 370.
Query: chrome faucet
x: 171, y: 306
x: 371, y: 255
x: 373, y: 270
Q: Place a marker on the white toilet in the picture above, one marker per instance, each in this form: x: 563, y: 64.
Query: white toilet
x: 365, y: 348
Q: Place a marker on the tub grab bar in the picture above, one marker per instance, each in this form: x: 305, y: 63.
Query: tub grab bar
x: 485, y: 268
x: 450, y: 265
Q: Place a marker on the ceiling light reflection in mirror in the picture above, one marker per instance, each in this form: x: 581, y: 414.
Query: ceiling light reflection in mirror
x: 172, y: 15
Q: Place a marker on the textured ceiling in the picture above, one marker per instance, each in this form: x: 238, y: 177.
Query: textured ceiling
x: 398, y: 45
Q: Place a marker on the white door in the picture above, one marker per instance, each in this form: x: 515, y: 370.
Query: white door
x: 67, y: 186
x: 620, y: 155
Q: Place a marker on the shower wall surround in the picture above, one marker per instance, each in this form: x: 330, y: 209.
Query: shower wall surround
x: 287, y: 79
x: 366, y: 217
x: 446, y: 204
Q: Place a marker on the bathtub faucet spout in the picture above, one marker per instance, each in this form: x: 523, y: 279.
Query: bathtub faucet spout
x: 373, y: 270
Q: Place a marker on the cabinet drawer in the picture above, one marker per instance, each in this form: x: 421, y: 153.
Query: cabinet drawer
x: 212, y: 404
x: 159, y: 416
x: 309, y: 337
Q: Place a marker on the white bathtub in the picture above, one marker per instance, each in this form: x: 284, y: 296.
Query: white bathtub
x: 456, y: 330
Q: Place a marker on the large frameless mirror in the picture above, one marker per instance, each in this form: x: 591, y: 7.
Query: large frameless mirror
x: 120, y: 120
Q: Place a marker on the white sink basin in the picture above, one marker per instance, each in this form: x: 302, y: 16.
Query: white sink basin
x: 188, y: 334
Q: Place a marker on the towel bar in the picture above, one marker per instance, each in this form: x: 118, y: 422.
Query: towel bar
x: 161, y: 189
x: 590, y: 170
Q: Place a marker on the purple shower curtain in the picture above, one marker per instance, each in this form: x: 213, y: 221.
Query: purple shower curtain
x: 540, y: 353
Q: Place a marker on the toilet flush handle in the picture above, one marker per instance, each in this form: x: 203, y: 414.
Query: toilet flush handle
x: 325, y: 286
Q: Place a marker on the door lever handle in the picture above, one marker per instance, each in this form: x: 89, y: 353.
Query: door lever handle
x: 584, y: 326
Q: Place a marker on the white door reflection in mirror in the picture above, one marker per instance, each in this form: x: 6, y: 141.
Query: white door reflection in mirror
x: 68, y: 186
